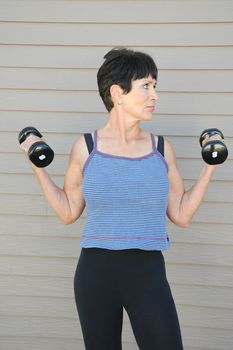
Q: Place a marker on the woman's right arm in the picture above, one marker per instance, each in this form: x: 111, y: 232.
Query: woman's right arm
x: 67, y: 202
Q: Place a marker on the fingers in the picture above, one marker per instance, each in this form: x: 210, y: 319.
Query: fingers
x: 212, y: 138
x: 28, y: 142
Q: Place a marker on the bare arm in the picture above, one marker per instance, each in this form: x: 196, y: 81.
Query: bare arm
x: 67, y: 202
x: 182, y: 204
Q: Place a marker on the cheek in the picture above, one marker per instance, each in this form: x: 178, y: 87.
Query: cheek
x: 135, y: 100
x: 139, y: 98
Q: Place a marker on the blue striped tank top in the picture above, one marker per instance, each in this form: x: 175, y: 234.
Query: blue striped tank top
x: 126, y: 201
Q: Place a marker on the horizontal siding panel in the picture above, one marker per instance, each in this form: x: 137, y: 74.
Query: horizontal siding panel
x: 190, y: 169
x: 206, y: 317
x: 39, y: 327
x: 217, y: 191
x: 51, y: 122
x: 81, y: 101
x: 38, y: 307
x: 24, y: 204
x: 205, y: 233
x: 203, y: 296
x: 216, y: 212
x: 48, y: 79
x: 81, y: 79
x: 28, y: 184
x: 202, y: 254
x: 77, y: 123
x: 41, y: 343
x: 91, y: 57
x: 54, y: 287
x: 116, y: 11
x: 218, y: 34
x: 38, y: 226
x: 38, y: 246
x: 37, y: 266
x: 197, y: 273
x: 202, y: 338
x: 195, y: 80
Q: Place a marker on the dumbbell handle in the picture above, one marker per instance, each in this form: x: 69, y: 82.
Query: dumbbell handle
x: 210, y: 132
x: 29, y: 130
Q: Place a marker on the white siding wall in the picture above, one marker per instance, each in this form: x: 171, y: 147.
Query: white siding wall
x: 49, y: 55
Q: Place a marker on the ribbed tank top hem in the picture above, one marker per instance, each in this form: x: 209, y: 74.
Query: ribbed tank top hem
x: 120, y: 245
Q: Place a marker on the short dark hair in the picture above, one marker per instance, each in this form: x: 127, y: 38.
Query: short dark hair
x: 121, y: 67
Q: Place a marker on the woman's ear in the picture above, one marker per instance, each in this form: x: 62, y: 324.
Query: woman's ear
x: 116, y: 92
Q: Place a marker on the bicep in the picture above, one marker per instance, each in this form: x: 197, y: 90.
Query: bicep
x: 73, y: 182
x: 176, y: 185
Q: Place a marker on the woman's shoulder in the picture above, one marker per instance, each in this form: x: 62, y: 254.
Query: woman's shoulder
x: 169, y: 152
x: 79, y: 150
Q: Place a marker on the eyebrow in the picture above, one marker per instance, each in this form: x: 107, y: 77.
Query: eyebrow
x: 148, y: 80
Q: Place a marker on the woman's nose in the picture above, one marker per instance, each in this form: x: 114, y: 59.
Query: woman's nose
x: 154, y: 95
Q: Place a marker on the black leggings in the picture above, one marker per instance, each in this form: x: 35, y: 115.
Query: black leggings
x: 106, y: 281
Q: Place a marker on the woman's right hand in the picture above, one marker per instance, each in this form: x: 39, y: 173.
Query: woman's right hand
x: 30, y: 140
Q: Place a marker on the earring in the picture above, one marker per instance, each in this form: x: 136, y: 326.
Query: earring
x: 119, y: 103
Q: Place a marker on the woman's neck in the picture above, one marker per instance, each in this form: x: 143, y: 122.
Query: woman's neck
x: 123, y: 129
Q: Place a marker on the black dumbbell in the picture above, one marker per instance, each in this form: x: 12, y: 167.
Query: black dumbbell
x: 213, y: 151
x: 39, y: 152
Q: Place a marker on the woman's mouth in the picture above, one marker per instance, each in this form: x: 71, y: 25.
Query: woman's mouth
x: 150, y: 108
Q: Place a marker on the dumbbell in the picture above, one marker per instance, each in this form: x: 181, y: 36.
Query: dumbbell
x: 39, y: 152
x: 213, y: 151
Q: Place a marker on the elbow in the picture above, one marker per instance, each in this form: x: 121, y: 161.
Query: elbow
x: 183, y: 222
x: 67, y: 220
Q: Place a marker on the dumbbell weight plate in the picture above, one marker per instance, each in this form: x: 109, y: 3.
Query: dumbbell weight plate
x: 40, y: 154
x: 214, y: 152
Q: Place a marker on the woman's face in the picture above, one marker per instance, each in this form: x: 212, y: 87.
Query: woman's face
x: 140, y: 102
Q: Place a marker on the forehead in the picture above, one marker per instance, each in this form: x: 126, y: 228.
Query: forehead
x: 148, y: 79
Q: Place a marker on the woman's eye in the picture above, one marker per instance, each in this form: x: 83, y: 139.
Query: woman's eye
x: 146, y: 86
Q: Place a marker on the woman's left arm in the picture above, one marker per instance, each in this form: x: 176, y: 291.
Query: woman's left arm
x: 182, y: 204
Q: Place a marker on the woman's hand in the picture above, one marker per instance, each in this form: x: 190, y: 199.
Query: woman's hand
x: 30, y: 140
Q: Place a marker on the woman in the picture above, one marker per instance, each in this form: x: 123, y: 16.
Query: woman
x: 129, y: 186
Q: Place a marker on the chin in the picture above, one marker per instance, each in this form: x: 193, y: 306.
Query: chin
x: 147, y: 116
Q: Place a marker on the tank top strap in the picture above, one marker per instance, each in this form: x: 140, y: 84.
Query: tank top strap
x: 160, y: 146
x: 89, y: 141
